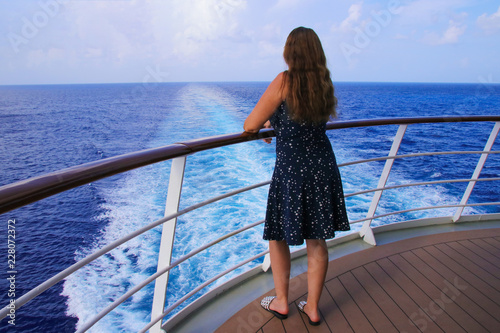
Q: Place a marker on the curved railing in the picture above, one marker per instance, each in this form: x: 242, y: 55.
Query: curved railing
x: 25, y: 192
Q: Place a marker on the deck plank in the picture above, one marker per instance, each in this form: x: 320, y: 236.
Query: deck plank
x: 492, y: 241
x: 390, y: 308
x: 306, y: 327
x: 274, y: 326
x: 464, y: 273
x: 332, y: 315
x: 484, y: 263
x: 370, y: 309
x: 440, y: 302
x: 473, y: 267
x: 481, y: 252
x: 349, y: 308
x: 407, y: 304
x: 458, y: 286
x: 251, y: 318
x: 478, y: 314
x: 424, y: 301
x: 437, y: 283
x: 294, y: 322
x: 487, y: 246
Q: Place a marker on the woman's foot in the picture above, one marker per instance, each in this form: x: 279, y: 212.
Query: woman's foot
x: 275, y: 306
x: 279, y: 306
x: 312, y: 315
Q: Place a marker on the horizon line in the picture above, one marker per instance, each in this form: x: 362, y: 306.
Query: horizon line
x: 250, y: 81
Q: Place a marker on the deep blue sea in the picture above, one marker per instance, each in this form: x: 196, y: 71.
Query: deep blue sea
x: 47, y: 128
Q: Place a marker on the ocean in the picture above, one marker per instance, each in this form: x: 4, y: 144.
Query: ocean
x: 50, y: 127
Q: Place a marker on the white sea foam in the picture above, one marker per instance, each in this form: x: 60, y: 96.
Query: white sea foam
x: 131, y: 204
x: 138, y: 199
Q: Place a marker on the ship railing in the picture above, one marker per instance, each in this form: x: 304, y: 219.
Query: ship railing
x: 25, y: 192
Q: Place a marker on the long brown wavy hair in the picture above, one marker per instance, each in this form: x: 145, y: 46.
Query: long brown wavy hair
x: 310, y: 96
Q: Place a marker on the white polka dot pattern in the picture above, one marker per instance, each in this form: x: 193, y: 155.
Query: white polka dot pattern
x: 306, y: 199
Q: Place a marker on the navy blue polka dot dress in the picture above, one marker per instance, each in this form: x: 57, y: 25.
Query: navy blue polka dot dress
x: 306, y: 200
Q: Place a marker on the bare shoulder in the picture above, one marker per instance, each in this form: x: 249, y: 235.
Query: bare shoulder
x: 266, y: 106
x: 278, y: 86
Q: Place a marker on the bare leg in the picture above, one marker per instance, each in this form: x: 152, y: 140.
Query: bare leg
x: 317, y: 265
x: 280, y: 264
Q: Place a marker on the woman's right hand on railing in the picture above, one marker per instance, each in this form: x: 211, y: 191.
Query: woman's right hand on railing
x: 267, y: 124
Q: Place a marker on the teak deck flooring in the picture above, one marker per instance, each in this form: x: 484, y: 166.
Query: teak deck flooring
x: 438, y: 283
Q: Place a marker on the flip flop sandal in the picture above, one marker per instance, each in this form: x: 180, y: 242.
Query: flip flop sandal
x: 301, y: 306
x: 266, y: 302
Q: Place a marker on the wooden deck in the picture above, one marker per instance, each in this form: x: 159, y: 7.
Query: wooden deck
x: 438, y: 283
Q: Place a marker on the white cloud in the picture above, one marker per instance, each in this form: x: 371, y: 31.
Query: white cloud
x: 284, y: 4
x: 434, y: 22
x: 424, y: 12
x: 489, y: 23
x: 153, y: 29
x: 353, y: 17
x: 269, y: 49
x: 450, y: 35
x: 117, y: 41
x: 269, y: 40
x: 205, y: 21
x: 119, y: 31
x: 271, y: 31
x: 126, y: 35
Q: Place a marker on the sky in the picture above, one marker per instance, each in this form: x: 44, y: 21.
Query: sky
x: 115, y: 41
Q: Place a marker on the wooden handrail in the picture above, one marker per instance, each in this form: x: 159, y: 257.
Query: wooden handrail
x: 27, y: 191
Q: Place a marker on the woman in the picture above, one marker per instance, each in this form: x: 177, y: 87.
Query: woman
x: 306, y: 199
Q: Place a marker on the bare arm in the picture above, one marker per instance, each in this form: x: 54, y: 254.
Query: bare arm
x: 270, y: 100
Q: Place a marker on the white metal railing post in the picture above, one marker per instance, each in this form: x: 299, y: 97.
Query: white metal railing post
x: 477, y: 171
x: 167, y: 238
x: 366, y: 231
x: 266, y: 263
